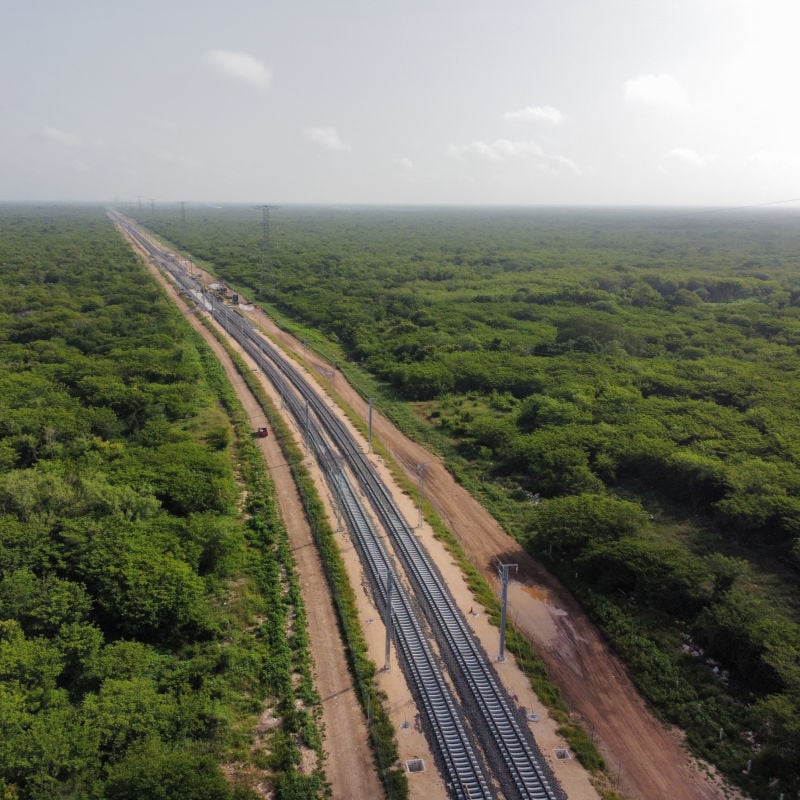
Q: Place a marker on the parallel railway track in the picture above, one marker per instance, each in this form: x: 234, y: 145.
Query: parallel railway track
x: 496, y: 728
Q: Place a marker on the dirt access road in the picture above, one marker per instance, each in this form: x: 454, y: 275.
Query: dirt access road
x: 645, y: 757
x: 348, y: 766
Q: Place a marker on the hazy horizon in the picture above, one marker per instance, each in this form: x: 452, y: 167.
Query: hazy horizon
x: 193, y: 206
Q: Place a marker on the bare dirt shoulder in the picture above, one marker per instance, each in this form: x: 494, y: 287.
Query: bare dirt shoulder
x: 349, y: 764
x: 348, y: 767
x: 646, y: 758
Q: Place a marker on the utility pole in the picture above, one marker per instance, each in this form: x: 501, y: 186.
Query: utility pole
x: 503, y: 571
x: 186, y: 262
x: 337, y: 497
x: 371, y: 399
x: 266, y: 261
x: 421, y: 473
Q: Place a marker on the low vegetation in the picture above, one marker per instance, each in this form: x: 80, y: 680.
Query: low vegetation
x: 382, y: 735
x: 618, y: 387
x: 148, y: 621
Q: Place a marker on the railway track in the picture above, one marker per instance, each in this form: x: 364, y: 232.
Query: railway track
x: 500, y: 731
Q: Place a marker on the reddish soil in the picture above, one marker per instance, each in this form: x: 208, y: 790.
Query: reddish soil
x: 348, y: 766
x: 646, y: 758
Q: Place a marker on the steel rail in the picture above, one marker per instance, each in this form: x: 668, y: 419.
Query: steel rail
x: 525, y: 769
x: 464, y: 775
x: 524, y: 773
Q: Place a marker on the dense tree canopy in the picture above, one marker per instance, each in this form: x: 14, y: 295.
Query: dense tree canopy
x: 130, y: 660
x: 626, y: 381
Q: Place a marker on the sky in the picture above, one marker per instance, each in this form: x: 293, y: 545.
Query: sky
x: 490, y: 102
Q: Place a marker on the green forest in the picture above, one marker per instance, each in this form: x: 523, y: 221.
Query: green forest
x: 618, y: 385
x: 149, y: 612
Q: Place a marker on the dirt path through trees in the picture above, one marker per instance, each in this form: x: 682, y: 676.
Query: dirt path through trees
x: 349, y: 763
x: 645, y: 757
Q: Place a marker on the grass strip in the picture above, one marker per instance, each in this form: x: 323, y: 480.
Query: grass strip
x: 373, y: 700
x: 287, y: 670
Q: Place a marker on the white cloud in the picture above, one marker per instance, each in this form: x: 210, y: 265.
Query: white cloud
x: 498, y: 150
x: 241, y: 67
x: 566, y: 163
x: 327, y: 138
x: 686, y: 155
x: 547, y: 114
x: 62, y: 137
x: 506, y: 150
x: 405, y: 164
x: 660, y: 91
x: 774, y: 159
